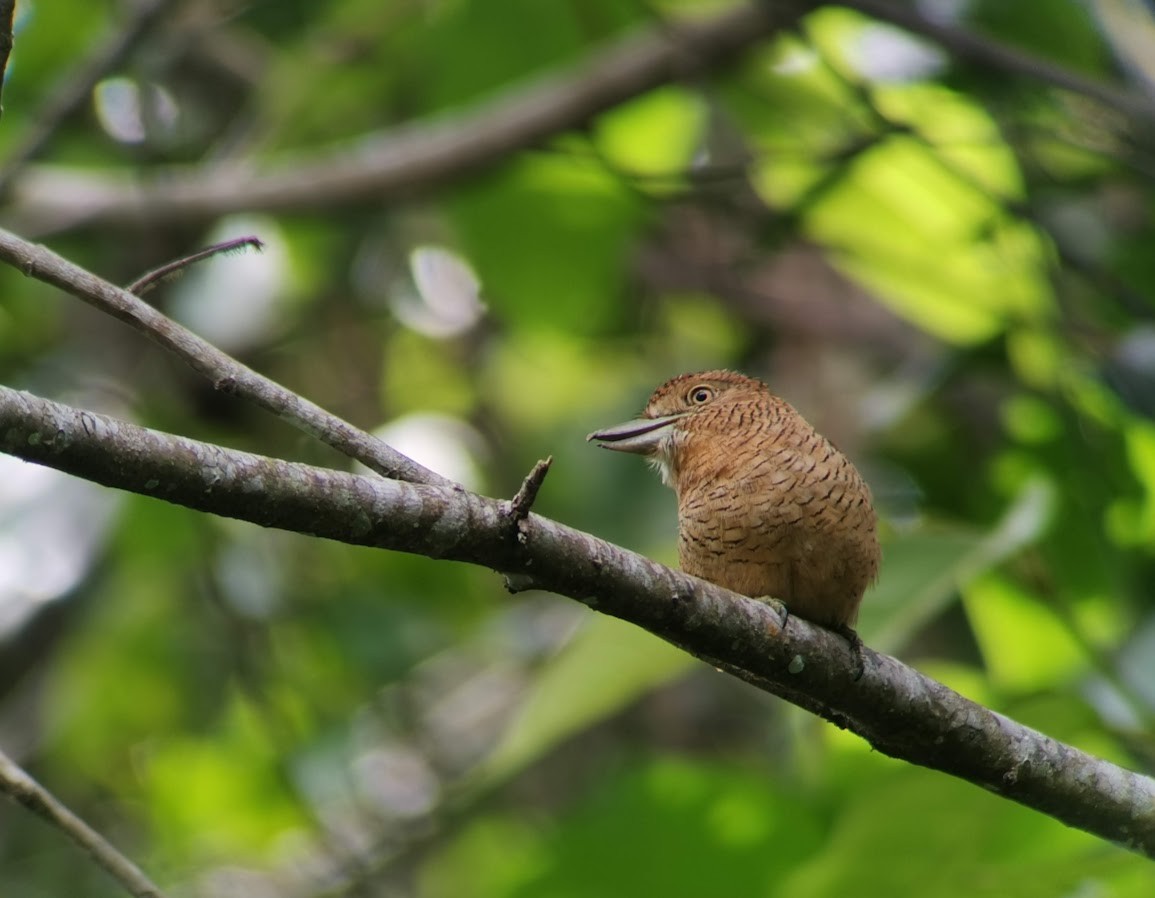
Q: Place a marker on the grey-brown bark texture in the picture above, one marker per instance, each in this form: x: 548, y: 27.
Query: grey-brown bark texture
x: 898, y: 710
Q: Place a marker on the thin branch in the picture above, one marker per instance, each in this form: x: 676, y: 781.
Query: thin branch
x: 414, y: 157
x: 898, y: 710
x: 176, y: 267
x: 7, y: 14
x: 224, y: 372
x: 24, y: 790
x: 75, y: 89
x: 1005, y: 58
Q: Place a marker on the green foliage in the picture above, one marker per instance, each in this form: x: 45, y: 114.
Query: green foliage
x: 548, y: 238
x: 668, y: 825
x: 947, y: 267
x: 602, y: 670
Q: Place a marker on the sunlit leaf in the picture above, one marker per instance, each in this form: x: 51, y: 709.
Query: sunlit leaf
x: 1001, y: 612
x: 655, y: 135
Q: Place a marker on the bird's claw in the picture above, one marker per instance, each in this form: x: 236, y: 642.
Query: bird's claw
x: 778, y: 605
x: 856, y: 648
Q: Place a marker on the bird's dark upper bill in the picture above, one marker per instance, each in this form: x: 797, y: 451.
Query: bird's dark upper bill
x: 641, y: 435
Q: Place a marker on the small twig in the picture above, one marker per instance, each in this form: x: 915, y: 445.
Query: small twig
x: 7, y: 13
x: 224, y: 372
x: 74, y: 90
x: 177, y: 267
x: 523, y: 499
x: 518, y: 510
x: 24, y: 790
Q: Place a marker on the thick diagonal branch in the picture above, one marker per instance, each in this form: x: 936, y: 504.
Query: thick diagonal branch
x: 898, y: 710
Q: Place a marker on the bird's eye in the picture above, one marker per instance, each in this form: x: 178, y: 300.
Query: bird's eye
x: 700, y: 395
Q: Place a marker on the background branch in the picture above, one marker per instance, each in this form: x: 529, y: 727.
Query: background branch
x: 417, y: 157
x: 895, y: 708
x: 24, y: 790
x: 1005, y: 58
x: 7, y: 13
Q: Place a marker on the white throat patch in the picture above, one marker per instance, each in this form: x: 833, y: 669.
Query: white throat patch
x: 662, y: 458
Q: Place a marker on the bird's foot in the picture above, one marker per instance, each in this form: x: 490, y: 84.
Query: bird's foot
x: 857, y: 649
x: 778, y: 605
x: 847, y: 632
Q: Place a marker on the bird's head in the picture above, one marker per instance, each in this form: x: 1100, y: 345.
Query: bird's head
x: 707, y: 403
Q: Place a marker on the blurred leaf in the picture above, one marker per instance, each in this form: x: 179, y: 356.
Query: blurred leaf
x: 219, y: 798
x: 667, y: 827
x: 803, y: 119
x: 557, y: 366
x: 604, y: 668
x: 1038, y: 356
x: 928, y: 164
x: 1001, y: 612
x: 474, y: 46
x: 916, y: 832
x: 654, y: 135
x: 51, y: 36
x: 418, y: 373
x: 987, y: 269
x: 1070, y: 36
x: 1030, y: 419
x: 923, y: 571
x: 696, y: 331
x: 1139, y: 438
x: 495, y: 857
x: 548, y: 237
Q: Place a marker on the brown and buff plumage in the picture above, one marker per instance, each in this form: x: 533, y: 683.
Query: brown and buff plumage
x: 767, y: 506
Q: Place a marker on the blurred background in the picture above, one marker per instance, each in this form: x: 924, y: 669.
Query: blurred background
x: 940, y: 256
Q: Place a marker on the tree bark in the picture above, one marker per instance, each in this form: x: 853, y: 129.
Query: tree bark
x: 899, y: 711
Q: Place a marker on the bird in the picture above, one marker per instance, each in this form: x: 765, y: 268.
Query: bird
x: 767, y: 506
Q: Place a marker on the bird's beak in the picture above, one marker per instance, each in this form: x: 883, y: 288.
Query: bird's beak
x: 642, y: 436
